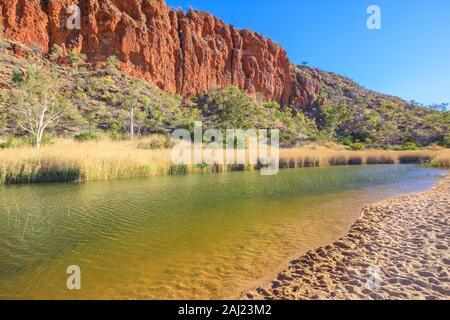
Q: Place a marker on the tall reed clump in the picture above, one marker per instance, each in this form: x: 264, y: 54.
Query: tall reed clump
x: 71, y: 161
x: 441, y: 160
x: 322, y: 157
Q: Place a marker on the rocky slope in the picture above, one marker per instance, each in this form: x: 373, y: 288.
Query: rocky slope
x: 183, y: 52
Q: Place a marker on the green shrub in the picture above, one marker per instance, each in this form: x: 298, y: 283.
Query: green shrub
x: 56, y: 53
x: 446, y: 142
x: 13, y: 142
x: 46, y: 139
x: 411, y: 146
x: 347, y: 141
x: 75, y: 59
x: 10, y: 143
x: 17, y: 77
x: 117, y: 135
x: 352, y: 143
x: 157, y: 143
x: 113, y: 65
x: 322, y: 97
x: 272, y: 105
x: 358, y: 146
x: 86, y: 136
x: 318, y: 135
x: 230, y: 108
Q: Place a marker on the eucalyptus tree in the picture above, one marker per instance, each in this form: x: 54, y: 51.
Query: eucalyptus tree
x: 38, y: 103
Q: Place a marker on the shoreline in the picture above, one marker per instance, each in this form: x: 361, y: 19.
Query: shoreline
x: 397, y: 249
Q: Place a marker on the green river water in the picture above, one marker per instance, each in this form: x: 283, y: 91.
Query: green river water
x: 189, y: 237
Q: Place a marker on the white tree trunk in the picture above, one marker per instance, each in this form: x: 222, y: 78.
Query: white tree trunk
x: 39, y: 139
x: 132, y: 123
x: 40, y: 130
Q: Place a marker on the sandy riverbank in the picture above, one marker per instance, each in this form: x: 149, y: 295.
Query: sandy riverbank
x: 398, y: 249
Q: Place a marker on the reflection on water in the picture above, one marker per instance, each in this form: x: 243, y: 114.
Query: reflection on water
x: 199, y: 236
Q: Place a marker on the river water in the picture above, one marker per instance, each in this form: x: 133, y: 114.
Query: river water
x: 190, y: 237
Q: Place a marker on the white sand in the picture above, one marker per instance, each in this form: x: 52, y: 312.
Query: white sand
x: 398, y: 249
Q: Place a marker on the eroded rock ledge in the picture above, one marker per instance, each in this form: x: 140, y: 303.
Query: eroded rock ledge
x: 181, y: 52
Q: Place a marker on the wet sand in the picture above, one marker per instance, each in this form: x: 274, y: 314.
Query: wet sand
x: 398, y: 249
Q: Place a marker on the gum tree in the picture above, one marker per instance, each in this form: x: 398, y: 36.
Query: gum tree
x: 38, y: 103
x: 133, y: 105
x: 334, y: 116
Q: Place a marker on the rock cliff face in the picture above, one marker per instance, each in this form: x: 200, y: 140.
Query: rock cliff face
x: 183, y: 52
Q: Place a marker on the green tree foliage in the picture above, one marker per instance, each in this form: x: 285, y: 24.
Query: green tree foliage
x: 334, y: 116
x: 127, y: 106
x: 273, y: 105
x: 146, y: 108
x: 446, y: 140
x: 411, y: 146
x: 294, y: 125
x: 86, y: 136
x: 75, y: 59
x: 321, y: 98
x: 231, y: 108
x: 38, y: 104
x: 18, y: 77
x: 134, y: 105
x: 112, y: 65
x: 94, y: 114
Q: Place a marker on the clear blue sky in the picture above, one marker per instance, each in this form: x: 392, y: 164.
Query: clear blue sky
x: 409, y: 57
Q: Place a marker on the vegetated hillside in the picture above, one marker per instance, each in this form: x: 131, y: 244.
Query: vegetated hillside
x: 376, y: 118
x: 209, y: 71
x: 344, y: 111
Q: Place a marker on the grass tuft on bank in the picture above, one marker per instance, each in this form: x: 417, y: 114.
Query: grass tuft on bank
x: 441, y: 160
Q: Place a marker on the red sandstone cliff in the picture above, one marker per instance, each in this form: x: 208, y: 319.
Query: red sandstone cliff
x: 181, y: 52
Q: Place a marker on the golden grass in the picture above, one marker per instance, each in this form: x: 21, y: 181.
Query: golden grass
x: 441, y: 160
x: 320, y: 157
x: 67, y: 160
x: 71, y: 161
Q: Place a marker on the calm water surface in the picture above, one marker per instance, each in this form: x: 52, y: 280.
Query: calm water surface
x: 198, y: 236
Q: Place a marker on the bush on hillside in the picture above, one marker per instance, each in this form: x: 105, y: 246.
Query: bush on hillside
x: 411, y: 146
x: 86, y: 136
x: 10, y: 143
x: 157, y: 142
x: 56, y: 53
x: 358, y: 146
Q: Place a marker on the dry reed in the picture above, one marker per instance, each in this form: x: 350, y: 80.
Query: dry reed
x: 67, y: 160
x: 441, y: 160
